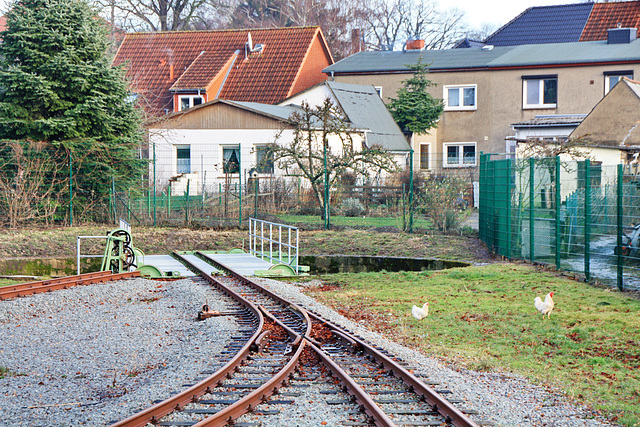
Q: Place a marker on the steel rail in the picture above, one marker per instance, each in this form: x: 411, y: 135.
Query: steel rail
x: 363, y: 398
x: 441, y: 405
x: 31, y: 288
x: 191, y: 395
x: 261, y: 394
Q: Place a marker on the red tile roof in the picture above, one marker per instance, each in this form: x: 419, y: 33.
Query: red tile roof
x: 199, y: 57
x: 605, y: 16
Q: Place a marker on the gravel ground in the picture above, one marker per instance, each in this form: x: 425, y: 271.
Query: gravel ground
x: 90, y: 355
x: 137, y: 341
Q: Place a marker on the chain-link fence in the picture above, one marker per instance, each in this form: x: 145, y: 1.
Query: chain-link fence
x: 579, y: 216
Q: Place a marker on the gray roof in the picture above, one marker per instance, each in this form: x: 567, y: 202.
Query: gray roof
x: 489, y: 57
x: 365, y: 110
x: 275, y: 111
x: 555, y: 120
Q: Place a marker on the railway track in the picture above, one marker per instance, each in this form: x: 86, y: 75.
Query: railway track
x: 31, y: 288
x: 279, y: 350
x: 381, y: 391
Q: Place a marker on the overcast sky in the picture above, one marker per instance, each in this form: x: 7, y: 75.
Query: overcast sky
x: 479, y: 12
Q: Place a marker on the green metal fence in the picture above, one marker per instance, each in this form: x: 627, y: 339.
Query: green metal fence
x: 579, y: 216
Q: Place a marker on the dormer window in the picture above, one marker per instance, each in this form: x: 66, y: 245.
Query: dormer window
x: 188, y: 101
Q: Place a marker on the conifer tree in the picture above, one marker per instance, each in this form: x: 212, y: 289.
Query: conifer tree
x: 57, y: 87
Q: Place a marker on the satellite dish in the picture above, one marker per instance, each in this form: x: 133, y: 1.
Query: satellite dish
x: 250, y: 43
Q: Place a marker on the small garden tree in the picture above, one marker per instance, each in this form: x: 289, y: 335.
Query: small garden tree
x: 415, y: 110
x: 57, y: 87
x: 323, y: 149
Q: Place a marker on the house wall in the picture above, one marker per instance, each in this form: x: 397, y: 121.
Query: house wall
x: 499, y: 100
x: 311, y: 73
x: 612, y: 120
x: 218, y: 116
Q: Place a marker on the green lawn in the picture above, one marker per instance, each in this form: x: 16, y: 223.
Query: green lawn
x: 7, y: 282
x: 356, y: 221
x: 484, y: 317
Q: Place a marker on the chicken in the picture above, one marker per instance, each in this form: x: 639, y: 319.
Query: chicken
x: 420, y: 313
x: 546, y: 306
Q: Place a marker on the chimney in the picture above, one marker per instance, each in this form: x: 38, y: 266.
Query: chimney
x: 171, y: 72
x: 621, y: 35
x: 415, y: 44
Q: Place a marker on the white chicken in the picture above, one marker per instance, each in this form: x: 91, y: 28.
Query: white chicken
x: 420, y: 313
x: 546, y: 306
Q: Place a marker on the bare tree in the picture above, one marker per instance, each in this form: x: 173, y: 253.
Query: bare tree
x: 386, y: 25
x: 161, y: 15
x: 310, y: 154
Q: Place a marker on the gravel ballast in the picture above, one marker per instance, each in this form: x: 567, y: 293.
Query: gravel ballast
x: 91, y: 355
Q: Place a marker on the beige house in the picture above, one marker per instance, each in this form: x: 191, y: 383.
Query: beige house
x: 487, y: 89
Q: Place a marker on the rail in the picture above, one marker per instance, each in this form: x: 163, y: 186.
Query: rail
x: 258, y: 238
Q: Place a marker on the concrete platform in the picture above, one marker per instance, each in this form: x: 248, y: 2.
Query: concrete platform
x: 245, y: 264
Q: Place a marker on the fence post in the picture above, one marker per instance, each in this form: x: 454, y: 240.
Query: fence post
x: 154, y: 184
x: 186, y: 206
x: 558, y: 196
x: 113, y: 192
x: 404, y: 208
x: 255, y: 212
x: 410, y: 228
x: 532, y: 194
x: 70, y: 189
x: 619, y: 258
x: 508, y: 197
x: 587, y: 219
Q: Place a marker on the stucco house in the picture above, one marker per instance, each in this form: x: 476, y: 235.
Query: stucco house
x: 173, y: 71
x: 488, y: 89
x: 224, y: 142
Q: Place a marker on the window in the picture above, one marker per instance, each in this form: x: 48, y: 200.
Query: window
x: 231, y: 159
x: 425, y: 151
x: 460, y: 154
x: 264, y: 160
x: 188, y: 101
x: 462, y: 97
x: 183, y: 155
x: 379, y: 90
x: 611, y: 78
x: 539, y: 91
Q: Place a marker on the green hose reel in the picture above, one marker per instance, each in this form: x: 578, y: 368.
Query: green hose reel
x: 119, y: 255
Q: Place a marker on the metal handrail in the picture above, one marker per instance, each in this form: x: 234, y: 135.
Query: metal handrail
x: 272, y: 240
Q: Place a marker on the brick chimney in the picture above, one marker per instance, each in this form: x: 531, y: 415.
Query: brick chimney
x: 415, y: 44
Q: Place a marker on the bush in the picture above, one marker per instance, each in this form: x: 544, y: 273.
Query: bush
x: 352, y: 207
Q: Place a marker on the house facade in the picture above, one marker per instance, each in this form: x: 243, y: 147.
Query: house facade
x: 486, y: 90
x: 222, y: 143
x: 173, y: 71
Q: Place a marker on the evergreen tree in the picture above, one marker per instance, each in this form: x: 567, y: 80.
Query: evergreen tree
x: 57, y: 86
x: 415, y: 109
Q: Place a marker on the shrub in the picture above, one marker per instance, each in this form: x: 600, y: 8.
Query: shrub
x: 352, y: 207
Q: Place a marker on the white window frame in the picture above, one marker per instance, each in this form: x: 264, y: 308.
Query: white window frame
x: 420, y: 156
x: 460, y: 89
x: 191, y: 99
x: 258, y: 148
x: 618, y: 74
x: 379, y: 90
x: 540, y: 80
x: 185, y: 166
x: 239, y: 157
x: 460, y: 164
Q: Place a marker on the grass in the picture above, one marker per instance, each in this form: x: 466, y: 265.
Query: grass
x: 356, y: 221
x: 483, y: 317
x: 7, y: 282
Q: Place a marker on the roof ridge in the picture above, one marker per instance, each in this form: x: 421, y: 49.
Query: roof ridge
x: 231, y: 30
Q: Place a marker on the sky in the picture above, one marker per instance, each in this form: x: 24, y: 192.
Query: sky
x: 479, y: 12
x: 496, y: 12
